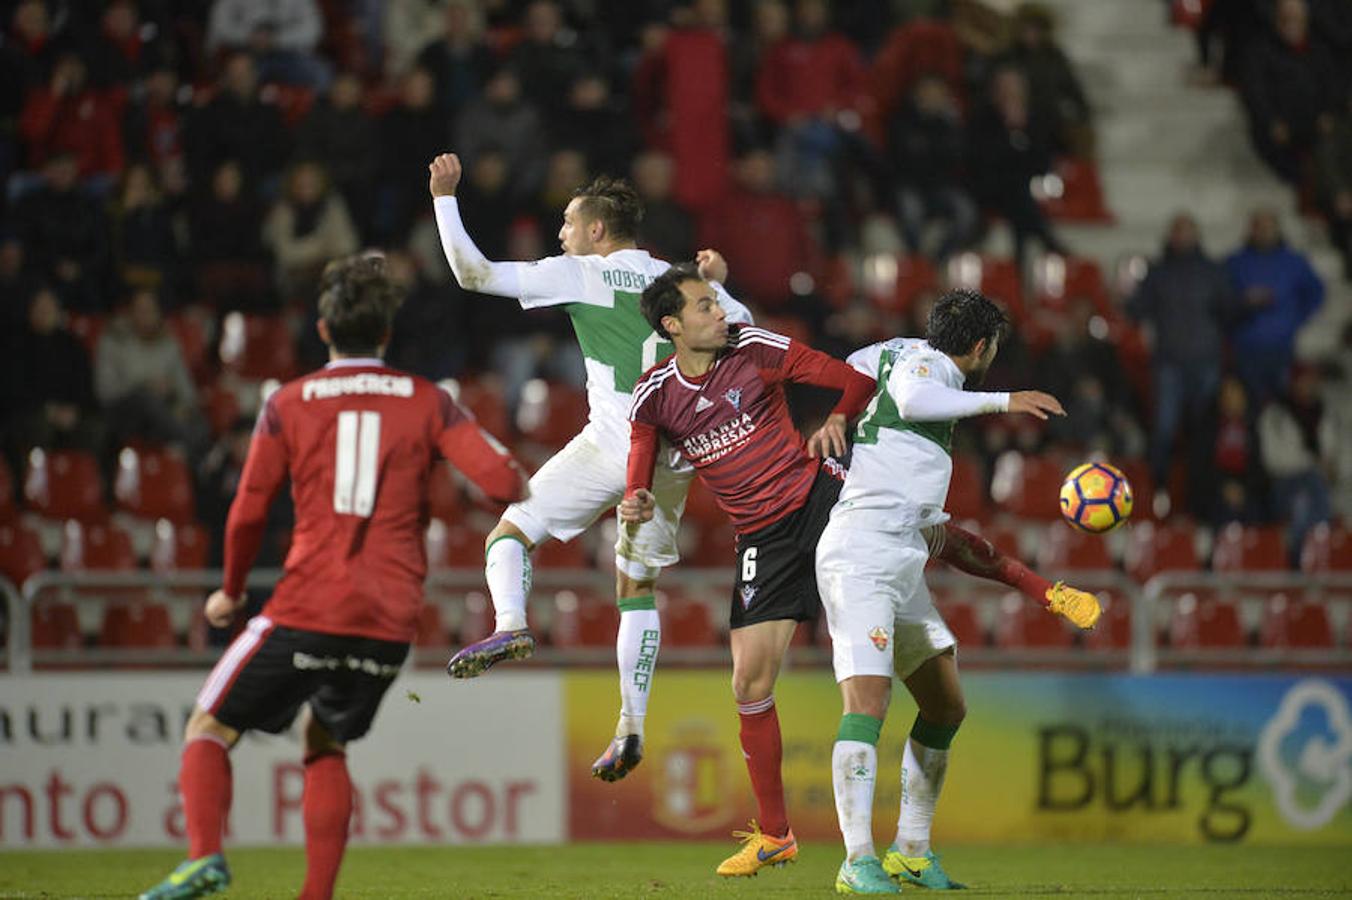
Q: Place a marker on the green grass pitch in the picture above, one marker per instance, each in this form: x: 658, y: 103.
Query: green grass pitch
x: 686, y: 870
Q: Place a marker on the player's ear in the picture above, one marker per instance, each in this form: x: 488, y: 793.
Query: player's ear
x: 672, y: 324
x: 323, y: 328
x: 979, y: 348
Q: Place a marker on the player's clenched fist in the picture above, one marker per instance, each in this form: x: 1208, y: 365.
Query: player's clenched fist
x: 221, y: 608
x: 637, y: 508
x: 445, y: 175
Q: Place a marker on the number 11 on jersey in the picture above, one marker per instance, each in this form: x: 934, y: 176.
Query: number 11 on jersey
x: 354, y: 470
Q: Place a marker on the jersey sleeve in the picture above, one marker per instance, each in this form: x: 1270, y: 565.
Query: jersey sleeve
x: 736, y: 312
x: 477, y: 453
x: 644, y: 438
x: 805, y: 365
x: 553, y: 281
x: 265, y: 469
x: 918, y: 389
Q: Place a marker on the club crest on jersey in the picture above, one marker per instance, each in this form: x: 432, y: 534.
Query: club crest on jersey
x: 702, y: 404
x: 734, y: 396
x: 879, y: 637
x: 748, y: 595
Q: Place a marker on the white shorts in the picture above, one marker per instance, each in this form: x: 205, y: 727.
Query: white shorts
x: 878, y: 608
x: 579, y: 483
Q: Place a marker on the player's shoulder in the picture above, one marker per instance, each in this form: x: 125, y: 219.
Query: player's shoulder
x: 750, y: 337
x: 650, y: 383
x: 917, y: 359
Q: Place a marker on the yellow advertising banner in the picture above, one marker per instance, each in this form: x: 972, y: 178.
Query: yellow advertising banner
x: 1042, y: 756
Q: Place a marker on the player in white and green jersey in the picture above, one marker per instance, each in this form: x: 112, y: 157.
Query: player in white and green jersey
x: 870, y: 574
x: 598, y: 281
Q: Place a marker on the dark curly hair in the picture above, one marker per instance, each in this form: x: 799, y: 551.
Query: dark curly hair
x: 662, y: 297
x: 357, y: 300
x: 962, y: 317
x: 615, y: 202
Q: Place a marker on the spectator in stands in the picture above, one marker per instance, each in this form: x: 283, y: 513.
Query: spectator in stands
x: 237, y: 125
x: 144, y: 249
x: 48, y: 389
x: 1238, y: 466
x: 762, y: 234
x: 68, y: 116
x: 667, y: 231
x: 26, y: 56
x: 1008, y: 145
x: 1277, y: 291
x: 306, y: 228
x: 408, y: 26
x: 152, y: 128
x: 926, y: 142
x: 122, y: 52
x: 1054, y: 91
x: 340, y: 135
x: 1333, y: 182
x: 1082, y: 366
x: 431, y: 307
x: 548, y: 60
x: 142, y: 382
x: 17, y: 284
x: 1338, y: 421
x: 812, y: 86
x: 490, y: 201
x: 1236, y: 26
x: 598, y: 125
x: 1184, y: 302
x: 769, y: 25
x: 1290, y: 437
x: 502, y: 117
x: 282, y: 35
x: 414, y: 126
x: 225, y: 229
x: 459, y: 60
x: 1292, y: 86
x: 66, y: 235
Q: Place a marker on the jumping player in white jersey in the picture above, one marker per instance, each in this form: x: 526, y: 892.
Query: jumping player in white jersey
x: 598, y: 281
x: 870, y: 572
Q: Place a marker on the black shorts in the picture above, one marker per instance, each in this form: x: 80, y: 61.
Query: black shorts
x: 269, y: 671
x: 777, y: 565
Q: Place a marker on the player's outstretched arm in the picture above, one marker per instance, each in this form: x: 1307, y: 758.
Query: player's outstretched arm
x: 484, y: 461
x: 472, y: 270
x: 1035, y: 403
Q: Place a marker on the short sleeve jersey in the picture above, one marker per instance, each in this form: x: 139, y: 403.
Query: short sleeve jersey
x: 733, y: 426
x: 601, y: 296
x: 358, y: 443
x: 896, y: 463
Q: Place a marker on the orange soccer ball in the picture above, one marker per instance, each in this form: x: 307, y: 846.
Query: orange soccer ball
x: 1096, y: 497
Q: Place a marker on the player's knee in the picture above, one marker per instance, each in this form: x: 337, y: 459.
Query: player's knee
x: 203, y: 724
x: 317, y: 737
x: 628, y: 586
x: 505, y: 529
x: 751, y: 685
x: 948, y: 711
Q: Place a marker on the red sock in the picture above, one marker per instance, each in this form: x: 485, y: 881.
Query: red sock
x: 327, y: 810
x: 973, y: 554
x: 763, y: 751
x: 204, y: 781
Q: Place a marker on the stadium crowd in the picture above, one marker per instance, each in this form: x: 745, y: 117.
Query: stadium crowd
x: 177, y: 173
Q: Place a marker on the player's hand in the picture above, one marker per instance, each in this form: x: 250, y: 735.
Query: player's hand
x: 712, y: 265
x: 638, y: 507
x: 221, y: 608
x: 829, y: 440
x: 1035, y: 403
x: 445, y: 175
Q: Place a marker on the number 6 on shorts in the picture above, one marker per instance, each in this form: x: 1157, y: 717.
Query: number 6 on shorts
x: 749, y: 564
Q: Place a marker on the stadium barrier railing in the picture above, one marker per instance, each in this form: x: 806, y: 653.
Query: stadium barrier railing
x: 456, y: 590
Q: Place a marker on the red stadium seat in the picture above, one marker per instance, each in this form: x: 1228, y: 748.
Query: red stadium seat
x: 1327, y: 548
x: 1242, y: 548
x: 961, y: 618
x: 432, y: 631
x: 95, y: 547
x: 1113, y: 631
x: 967, y: 490
x: 1153, y: 548
x: 554, y: 554
x: 1142, y: 485
x: 688, y: 621
x: 177, y: 547
x: 1202, y: 620
x: 56, y: 626
x: 257, y: 347
x: 222, y: 408
x: 154, y: 484
x: 443, y: 493
x: 484, y: 400
x: 1292, y: 622
x: 476, y: 621
x: 20, y: 553
x: 995, y: 277
x: 64, y: 484
x: 582, y: 619
x: 1023, y: 623
x: 1073, y: 192
x: 1057, y: 280
x: 138, y: 625
x: 716, y: 547
x: 1062, y: 547
x: 550, y: 414
x: 1029, y: 486
x: 454, y: 546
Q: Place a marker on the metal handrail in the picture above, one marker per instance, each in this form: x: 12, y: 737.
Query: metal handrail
x: 18, y: 641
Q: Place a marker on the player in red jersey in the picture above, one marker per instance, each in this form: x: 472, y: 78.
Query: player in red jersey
x: 358, y: 440
x: 720, y: 402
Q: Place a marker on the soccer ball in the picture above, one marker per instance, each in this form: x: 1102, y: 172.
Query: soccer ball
x: 1096, y: 497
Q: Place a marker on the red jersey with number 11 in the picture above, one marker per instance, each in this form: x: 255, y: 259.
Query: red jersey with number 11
x: 358, y: 440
